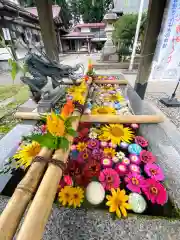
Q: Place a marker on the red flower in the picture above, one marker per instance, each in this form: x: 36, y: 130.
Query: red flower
x: 141, y: 141
x: 83, y: 133
x: 92, y: 168
x: 73, y: 169
x: 147, y: 157
x: 82, y: 180
x: 155, y: 191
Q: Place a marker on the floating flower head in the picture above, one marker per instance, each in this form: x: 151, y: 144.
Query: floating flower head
x: 103, y: 110
x: 67, y: 109
x: 134, y: 159
x: 26, y: 153
x: 141, y: 141
x: 134, y: 149
x: 73, y: 169
x: 115, y: 159
x: 93, y: 143
x: 134, y: 168
x: 124, y: 145
x: 84, y: 156
x: 116, y: 97
x: 103, y: 144
x: 112, y: 145
x: 117, y: 202
x: 135, y: 126
x: 134, y: 182
x: 154, y: 171
x: 109, y: 178
x: 121, y: 169
x: 81, y: 146
x: 126, y: 161
x: 92, y: 168
x: 77, y: 197
x: 106, y: 163
x: 155, y: 191
x: 120, y: 155
x: 55, y: 125
x: 109, y: 152
x: 93, y: 135
x: 117, y: 133
x: 147, y: 157
x: 97, y: 153
x: 65, y: 194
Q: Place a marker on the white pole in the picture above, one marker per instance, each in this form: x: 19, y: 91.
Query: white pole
x: 136, y: 35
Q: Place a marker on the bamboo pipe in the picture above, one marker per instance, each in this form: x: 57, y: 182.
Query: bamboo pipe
x: 123, y: 118
x: 12, y: 214
x: 39, y: 211
x: 119, y: 82
x: 105, y: 119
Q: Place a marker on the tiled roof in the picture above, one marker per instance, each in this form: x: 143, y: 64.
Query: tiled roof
x: 55, y: 9
x: 78, y: 35
x: 90, y: 25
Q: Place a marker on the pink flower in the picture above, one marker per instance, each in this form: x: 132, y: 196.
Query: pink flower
x: 104, y: 144
x: 126, y: 161
x: 155, y: 191
x: 73, y: 147
x: 106, y: 162
x: 147, y: 157
x: 84, y: 156
x: 154, y: 171
x: 112, y: 145
x: 109, y: 178
x: 68, y: 180
x: 134, y: 168
x: 141, y: 141
x: 134, y: 159
x: 134, y: 182
x: 134, y: 126
x: 97, y: 154
x: 121, y: 169
x: 93, y: 143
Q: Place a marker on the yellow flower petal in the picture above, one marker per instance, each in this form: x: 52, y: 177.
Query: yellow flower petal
x: 113, y: 208
x: 123, y: 210
x: 127, y: 206
x: 118, y: 213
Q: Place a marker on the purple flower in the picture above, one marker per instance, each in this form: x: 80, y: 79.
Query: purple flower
x: 134, y: 182
x: 97, y: 154
x: 93, y: 143
x: 84, y: 156
x: 154, y: 171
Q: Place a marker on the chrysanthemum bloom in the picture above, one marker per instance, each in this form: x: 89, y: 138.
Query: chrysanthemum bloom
x: 26, y: 153
x: 77, y: 197
x: 81, y: 146
x: 55, y: 125
x: 93, y: 135
x: 109, y: 152
x: 109, y: 178
x: 134, y: 126
x: 155, y: 191
x: 134, y: 182
x: 106, y: 162
x: 103, y: 144
x: 134, y: 159
x: 120, y: 155
x: 117, y: 133
x: 117, y: 202
x: 121, y: 169
x: 93, y: 143
x: 97, y: 153
x: 126, y: 161
x: 141, y: 141
x: 154, y: 171
x: 112, y: 145
x: 134, y: 168
x: 147, y: 157
x: 92, y: 168
x: 64, y: 196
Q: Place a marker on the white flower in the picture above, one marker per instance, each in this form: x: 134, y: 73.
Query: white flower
x: 95, y: 193
x: 120, y: 155
x: 93, y: 135
x: 137, y: 202
x: 115, y: 159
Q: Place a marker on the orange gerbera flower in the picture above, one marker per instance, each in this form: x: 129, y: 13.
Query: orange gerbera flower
x: 67, y: 109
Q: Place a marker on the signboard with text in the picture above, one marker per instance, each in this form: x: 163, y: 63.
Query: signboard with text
x: 166, y: 62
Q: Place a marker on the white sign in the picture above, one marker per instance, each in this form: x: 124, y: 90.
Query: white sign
x: 166, y: 62
x: 6, y: 34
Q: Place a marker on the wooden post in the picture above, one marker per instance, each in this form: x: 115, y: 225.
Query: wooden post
x: 37, y: 216
x: 44, y: 8
x: 155, y: 15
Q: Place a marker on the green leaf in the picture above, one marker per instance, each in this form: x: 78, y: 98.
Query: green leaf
x: 46, y: 140
x: 72, y: 132
x: 69, y: 120
x: 64, y: 143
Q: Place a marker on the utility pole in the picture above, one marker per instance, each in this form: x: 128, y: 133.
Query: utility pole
x: 154, y: 20
x: 136, y: 35
x: 44, y: 8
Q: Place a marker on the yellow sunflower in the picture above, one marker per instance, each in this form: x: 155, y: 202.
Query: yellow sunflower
x: 109, y: 152
x: 117, y: 202
x: 103, y: 110
x: 114, y: 97
x: 78, y: 97
x: 117, y: 133
x: 55, y: 125
x: 26, y: 153
x: 65, y: 195
x: 107, y: 88
x: 77, y: 197
x: 81, y: 146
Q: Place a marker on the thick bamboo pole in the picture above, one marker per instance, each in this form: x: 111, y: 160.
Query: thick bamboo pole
x: 104, y: 119
x: 123, y: 118
x: 119, y: 82
x: 12, y: 214
x: 39, y: 211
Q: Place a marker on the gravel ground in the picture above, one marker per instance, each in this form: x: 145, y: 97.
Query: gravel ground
x: 172, y: 113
